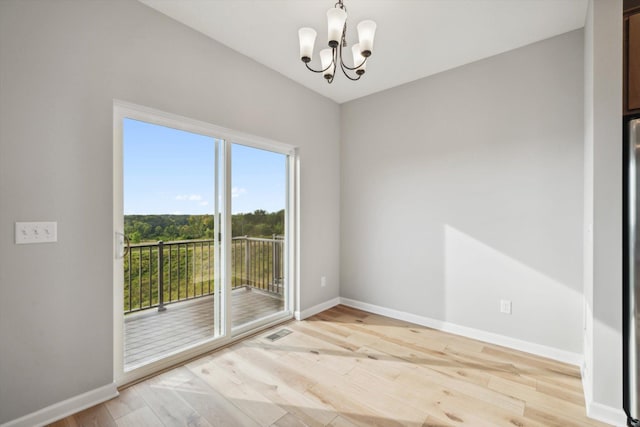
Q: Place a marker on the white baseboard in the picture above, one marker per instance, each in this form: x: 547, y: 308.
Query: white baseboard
x: 606, y: 414
x: 65, y: 408
x: 598, y: 411
x: 301, y: 315
x: 477, y: 334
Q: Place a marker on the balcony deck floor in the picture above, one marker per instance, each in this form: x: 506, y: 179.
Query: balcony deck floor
x: 151, y: 334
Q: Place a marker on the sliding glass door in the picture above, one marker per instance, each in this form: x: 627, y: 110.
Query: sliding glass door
x: 202, y: 229
x: 170, y: 266
x: 259, y: 234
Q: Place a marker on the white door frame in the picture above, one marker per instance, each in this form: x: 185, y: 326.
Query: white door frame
x: 224, y: 138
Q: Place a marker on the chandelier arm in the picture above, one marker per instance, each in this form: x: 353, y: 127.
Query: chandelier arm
x: 342, y: 66
x: 317, y: 71
x: 349, y: 68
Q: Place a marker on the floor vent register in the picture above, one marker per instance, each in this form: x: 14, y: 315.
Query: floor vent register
x: 277, y: 335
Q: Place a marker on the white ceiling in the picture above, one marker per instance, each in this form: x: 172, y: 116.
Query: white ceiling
x: 414, y: 38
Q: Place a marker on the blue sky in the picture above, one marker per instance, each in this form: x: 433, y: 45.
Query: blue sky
x: 169, y: 171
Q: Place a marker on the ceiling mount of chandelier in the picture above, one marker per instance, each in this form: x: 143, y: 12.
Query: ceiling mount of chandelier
x: 331, y: 57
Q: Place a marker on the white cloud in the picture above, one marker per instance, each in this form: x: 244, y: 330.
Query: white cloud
x: 204, y: 203
x: 237, y: 192
x: 191, y: 197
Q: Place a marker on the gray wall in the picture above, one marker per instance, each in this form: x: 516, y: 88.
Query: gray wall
x: 61, y: 65
x: 465, y: 188
x: 603, y: 202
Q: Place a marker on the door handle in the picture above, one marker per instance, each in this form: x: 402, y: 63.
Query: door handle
x: 123, y: 245
x: 127, y: 246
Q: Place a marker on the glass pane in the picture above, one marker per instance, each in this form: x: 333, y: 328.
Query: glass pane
x: 169, y: 190
x: 258, y: 201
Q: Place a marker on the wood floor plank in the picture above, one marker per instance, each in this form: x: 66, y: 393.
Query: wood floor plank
x: 342, y: 393
x: 459, y: 409
x: 558, y: 392
x: 350, y: 407
x: 96, y: 416
x: 435, y: 355
x: 271, y: 361
x: 393, y: 392
x: 65, y: 422
x: 345, y: 368
x: 552, y: 419
x: 161, y: 394
x: 455, y: 378
x: 539, y: 403
x: 279, y: 392
x: 239, y: 393
x: 128, y: 401
x: 141, y: 417
x: 216, y: 409
x: 340, y: 421
x: 289, y: 420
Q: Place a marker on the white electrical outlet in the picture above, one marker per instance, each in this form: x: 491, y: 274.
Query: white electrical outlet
x: 36, y: 232
x: 505, y: 306
x: 323, y: 281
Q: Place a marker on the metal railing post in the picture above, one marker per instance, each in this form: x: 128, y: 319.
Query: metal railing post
x: 161, y: 306
x: 274, y: 265
x: 247, y: 259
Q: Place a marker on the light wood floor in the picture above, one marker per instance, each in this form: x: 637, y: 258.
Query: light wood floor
x: 150, y: 334
x: 347, y: 368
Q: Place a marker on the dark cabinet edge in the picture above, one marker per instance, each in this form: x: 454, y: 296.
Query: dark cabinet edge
x: 630, y: 6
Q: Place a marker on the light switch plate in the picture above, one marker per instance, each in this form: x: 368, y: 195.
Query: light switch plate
x: 505, y: 306
x: 36, y: 232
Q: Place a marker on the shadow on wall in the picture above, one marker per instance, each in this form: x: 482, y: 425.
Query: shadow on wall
x: 477, y: 276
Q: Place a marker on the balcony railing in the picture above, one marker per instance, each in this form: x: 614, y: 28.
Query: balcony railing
x: 157, y: 274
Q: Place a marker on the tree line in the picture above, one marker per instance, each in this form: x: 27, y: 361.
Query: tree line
x: 165, y: 227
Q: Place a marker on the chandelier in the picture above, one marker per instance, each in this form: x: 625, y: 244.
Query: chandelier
x: 331, y: 57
